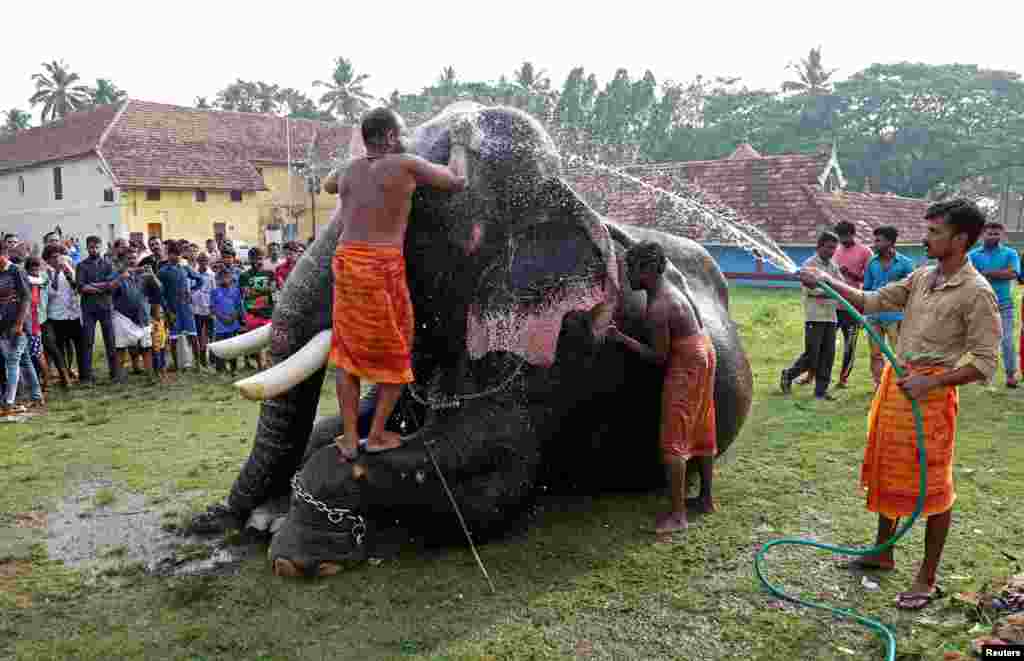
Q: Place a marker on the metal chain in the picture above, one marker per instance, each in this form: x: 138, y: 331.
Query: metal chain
x: 455, y: 401
x: 335, y: 515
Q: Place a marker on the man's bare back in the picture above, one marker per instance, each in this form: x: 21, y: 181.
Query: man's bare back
x: 674, y: 309
x: 376, y: 193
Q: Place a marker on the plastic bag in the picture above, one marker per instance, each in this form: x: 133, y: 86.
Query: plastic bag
x: 185, y: 357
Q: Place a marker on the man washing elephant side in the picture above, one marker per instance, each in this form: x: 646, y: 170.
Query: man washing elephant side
x: 684, y: 348
x: 373, y: 314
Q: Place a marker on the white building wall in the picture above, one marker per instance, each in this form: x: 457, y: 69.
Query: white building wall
x: 81, y: 212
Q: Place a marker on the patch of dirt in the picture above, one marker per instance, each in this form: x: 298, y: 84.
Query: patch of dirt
x: 13, y: 573
x: 31, y: 520
x: 100, y: 521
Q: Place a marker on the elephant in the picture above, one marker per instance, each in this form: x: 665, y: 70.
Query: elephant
x: 514, y: 283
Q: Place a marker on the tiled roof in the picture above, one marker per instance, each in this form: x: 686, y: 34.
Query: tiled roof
x: 768, y: 192
x: 746, y: 150
x: 161, y: 146
x: 154, y: 145
x: 75, y: 135
x: 868, y: 211
x: 778, y: 195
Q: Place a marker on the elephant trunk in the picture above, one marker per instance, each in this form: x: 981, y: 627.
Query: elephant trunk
x: 296, y: 344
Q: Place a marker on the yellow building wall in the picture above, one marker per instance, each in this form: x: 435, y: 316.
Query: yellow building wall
x: 181, y: 217
x: 276, y: 202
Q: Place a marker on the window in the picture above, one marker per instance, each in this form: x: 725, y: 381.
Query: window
x: 153, y: 195
x: 58, y: 185
x: 21, y: 185
x: 200, y: 196
x: 108, y: 195
x: 236, y: 196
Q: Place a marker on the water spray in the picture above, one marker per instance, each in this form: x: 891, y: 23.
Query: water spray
x: 756, y: 242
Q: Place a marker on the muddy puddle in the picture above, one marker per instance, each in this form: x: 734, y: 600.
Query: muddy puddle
x: 107, y: 529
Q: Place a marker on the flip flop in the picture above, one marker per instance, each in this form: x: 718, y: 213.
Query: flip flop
x: 915, y: 601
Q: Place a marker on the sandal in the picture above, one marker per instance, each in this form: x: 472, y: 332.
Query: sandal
x: 915, y: 601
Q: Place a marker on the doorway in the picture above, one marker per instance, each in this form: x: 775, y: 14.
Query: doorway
x: 155, y: 230
x: 219, y: 232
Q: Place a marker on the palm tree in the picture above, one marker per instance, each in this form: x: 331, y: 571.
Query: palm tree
x: 57, y: 91
x: 237, y: 96
x: 106, y: 92
x: 202, y: 103
x: 15, y: 120
x: 266, y: 97
x: 345, y: 94
x: 814, y: 79
x: 533, y: 91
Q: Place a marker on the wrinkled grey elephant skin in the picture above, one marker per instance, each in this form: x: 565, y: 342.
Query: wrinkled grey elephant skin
x: 505, y: 279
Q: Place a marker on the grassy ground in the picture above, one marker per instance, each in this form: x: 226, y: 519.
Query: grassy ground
x: 587, y: 581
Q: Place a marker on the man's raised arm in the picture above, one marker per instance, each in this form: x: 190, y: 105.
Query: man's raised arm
x: 447, y: 178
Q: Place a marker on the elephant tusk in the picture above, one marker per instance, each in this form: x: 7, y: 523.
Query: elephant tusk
x: 290, y: 372
x: 243, y: 344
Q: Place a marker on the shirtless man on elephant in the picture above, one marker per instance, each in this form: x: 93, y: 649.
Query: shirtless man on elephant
x: 373, y: 314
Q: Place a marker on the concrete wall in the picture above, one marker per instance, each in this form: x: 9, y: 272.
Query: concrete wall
x: 81, y: 212
x: 733, y: 260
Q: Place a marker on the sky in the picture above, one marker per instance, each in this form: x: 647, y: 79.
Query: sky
x: 188, y: 49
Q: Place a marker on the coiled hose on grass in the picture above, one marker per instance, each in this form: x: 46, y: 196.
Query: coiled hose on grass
x: 885, y: 632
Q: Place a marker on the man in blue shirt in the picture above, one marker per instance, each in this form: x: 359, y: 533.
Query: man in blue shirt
x: 886, y: 266
x: 1000, y: 265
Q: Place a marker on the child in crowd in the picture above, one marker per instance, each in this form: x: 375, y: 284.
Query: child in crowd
x: 292, y: 250
x: 258, y: 287
x: 157, y: 324
x: 38, y: 281
x: 201, y: 305
x: 226, y: 309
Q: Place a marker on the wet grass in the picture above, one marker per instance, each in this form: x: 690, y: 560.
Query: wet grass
x: 585, y: 582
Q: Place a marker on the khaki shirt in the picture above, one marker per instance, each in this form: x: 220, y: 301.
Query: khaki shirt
x: 942, y: 325
x: 817, y: 304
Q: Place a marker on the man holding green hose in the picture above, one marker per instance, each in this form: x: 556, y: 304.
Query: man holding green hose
x: 949, y: 311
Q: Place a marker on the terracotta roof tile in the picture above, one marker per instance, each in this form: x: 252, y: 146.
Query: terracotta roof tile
x: 778, y: 195
x: 767, y: 192
x: 868, y: 211
x: 155, y: 145
x: 75, y: 135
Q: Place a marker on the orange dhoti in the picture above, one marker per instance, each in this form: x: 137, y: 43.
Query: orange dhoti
x: 688, y: 400
x: 891, y: 470
x: 373, y: 314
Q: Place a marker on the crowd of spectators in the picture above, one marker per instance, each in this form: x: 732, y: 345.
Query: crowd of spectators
x: 158, y: 306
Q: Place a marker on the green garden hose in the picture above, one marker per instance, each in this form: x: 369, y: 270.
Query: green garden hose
x: 890, y: 639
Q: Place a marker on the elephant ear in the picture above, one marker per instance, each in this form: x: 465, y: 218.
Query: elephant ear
x: 559, y: 259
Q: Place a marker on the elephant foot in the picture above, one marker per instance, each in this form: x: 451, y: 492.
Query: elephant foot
x: 216, y: 520
x: 296, y: 569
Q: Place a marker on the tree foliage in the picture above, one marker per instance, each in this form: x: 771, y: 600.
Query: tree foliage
x: 911, y: 129
x: 15, y: 120
x: 105, y: 92
x: 59, y: 91
x: 345, y: 96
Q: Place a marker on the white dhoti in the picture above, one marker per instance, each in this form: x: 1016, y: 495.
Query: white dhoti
x: 129, y: 335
